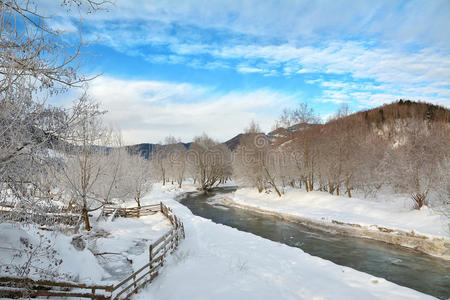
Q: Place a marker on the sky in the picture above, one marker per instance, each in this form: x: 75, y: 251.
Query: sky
x: 184, y: 68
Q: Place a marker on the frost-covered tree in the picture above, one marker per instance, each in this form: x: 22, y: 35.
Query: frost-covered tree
x: 303, y: 113
x: 112, y: 186
x: 177, y: 162
x: 36, y: 61
x: 256, y: 162
x: 414, y: 164
x: 137, y: 177
x: 210, y: 162
x: 86, y: 167
x: 158, y: 163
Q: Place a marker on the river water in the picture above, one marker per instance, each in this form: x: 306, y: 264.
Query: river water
x: 397, y: 264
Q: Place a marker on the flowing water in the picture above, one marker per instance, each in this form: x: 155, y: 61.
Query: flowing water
x: 397, y: 264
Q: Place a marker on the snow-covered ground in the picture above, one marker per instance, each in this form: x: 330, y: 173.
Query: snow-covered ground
x: 45, y: 255
x: 219, y: 262
x: 213, y: 262
x: 106, y: 255
x: 393, y: 213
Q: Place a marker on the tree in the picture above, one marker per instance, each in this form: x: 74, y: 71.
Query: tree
x: 442, y: 187
x: 303, y: 114
x: 114, y: 158
x: 414, y: 162
x: 86, y: 164
x: 158, y: 163
x: 177, y: 166
x: 210, y: 161
x: 137, y: 177
x: 304, y: 155
x: 36, y: 62
x: 256, y: 162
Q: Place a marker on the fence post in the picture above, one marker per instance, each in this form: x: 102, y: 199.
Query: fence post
x: 150, y: 253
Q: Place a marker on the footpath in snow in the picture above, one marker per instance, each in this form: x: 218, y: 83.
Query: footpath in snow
x: 219, y: 262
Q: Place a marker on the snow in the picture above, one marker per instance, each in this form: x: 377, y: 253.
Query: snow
x: 213, y: 262
x: 130, y: 238
x: 219, y: 262
x: 78, y: 265
x: 322, y: 206
x: 127, y: 238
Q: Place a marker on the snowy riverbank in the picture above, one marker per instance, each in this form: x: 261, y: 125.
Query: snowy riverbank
x: 219, y: 262
x: 390, y: 221
x: 325, y: 207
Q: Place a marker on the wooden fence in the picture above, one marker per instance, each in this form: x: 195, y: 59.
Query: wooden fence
x: 131, y: 212
x: 24, y: 287
x: 40, y: 218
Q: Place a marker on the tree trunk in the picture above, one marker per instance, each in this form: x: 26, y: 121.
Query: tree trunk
x: 306, y: 185
x: 332, y: 188
x: 311, y: 185
x: 84, y: 213
x: 272, y: 182
x: 138, y: 200
x: 275, y: 187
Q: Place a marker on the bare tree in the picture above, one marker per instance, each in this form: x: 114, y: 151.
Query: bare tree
x: 137, y: 177
x: 36, y: 61
x: 210, y: 161
x: 414, y: 162
x: 300, y: 115
x: 170, y: 159
x: 178, y: 164
x: 86, y: 166
x: 158, y: 163
x: 256, y: 162
x: 112, y: 185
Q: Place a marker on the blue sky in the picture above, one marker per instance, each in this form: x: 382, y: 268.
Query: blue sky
x: 182, y: 68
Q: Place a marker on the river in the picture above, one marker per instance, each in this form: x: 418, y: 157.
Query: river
x: 397, y: 264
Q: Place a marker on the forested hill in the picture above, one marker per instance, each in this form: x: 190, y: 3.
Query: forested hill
x: 403, y: 109
x: 146, y: 149
x: 387, y: 114
x: 396, y: 114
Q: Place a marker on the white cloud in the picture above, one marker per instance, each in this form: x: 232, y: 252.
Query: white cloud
x: 148, y: 111
x: 408, y: 58
x: 414, y: 21
x: 245, y: 69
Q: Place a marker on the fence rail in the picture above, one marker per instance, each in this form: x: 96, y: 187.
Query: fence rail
x: 40, y: 218
x: 24, y: 287
x: 131, y: 212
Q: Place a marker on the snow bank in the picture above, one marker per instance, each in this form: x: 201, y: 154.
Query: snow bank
x: 53, y: 255
x: 322, y: 206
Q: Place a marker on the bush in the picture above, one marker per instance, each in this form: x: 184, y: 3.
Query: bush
x: 419, y: 200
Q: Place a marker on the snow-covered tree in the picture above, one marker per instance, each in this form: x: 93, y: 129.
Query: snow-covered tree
x: 210, y: 162
x: 256, y: 162
x: 36, y: 61
x: 86, y: 165
x: 137, y: 177
x: 158, y: 163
